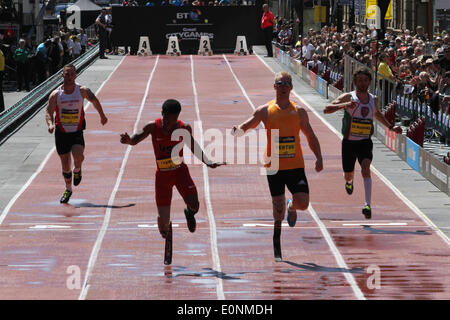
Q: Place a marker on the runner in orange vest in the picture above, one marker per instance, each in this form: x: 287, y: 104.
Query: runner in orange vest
x: 284, y: 121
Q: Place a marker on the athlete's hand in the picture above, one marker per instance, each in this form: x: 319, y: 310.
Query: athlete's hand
x: 215, y: 164
x: 125, y: 138
x: 397, y: 129
x: 103, y: 120
x: 237, y: 132
x: 319, y: 165
x: 352, y: 104
x: 51, y: 128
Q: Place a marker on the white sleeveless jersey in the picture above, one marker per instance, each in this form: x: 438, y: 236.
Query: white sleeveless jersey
x: 69, y: 110
x: 358, y: 122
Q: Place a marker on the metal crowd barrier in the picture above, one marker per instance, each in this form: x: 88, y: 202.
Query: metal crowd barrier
x: 24, y: 109
x: 436, y: 171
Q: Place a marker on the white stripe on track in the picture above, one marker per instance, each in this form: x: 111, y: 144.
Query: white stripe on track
x: 44, y: 162
x: 399, y: 194
x: 212, y: 222
x: 104, y: 227
x: 239, y: 83
x: 337, y: 255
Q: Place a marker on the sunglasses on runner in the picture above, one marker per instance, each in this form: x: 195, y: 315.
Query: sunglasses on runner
x: 283, y: 83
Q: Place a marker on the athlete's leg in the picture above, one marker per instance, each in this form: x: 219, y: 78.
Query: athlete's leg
x: 348, y: 164
x: 163, y: 197
x: 192, y: 203
x: 348, y: 176
x: 186, y: 187
x: 66, y: 171
x: 78, y: 156
x: 365, y: 172
x: 279, y: 207
x: 300, y: 201
x: 163, y: 220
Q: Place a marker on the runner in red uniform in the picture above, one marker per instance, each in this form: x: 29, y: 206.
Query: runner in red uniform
x: 171, y: 170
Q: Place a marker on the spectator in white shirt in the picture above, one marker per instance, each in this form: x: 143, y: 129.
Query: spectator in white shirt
x: 308, y: 49
x: 76, y: 50
x: 83, y: 40
x: 315, y: 62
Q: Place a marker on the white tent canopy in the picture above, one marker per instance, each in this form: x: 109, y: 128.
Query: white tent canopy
x: 84, y: 5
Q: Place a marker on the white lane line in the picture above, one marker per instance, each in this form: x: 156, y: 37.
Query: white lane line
x: 339, y: 259
x: 212, y: 222
x: 399, y: 194
x: 44, y: 162
x: 337, y: 255
x: 104, y: 227
x: 239, y: 83
x: 49, y: 226
x: 376, y: 224
x: 154, y: 225
x: 262, y: 225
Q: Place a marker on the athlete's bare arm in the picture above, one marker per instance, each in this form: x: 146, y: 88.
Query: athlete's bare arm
x: 260, y: 114
x: 51, y: 107
x: 341, y: 102
x: 90, y: 96
x: 313, y: 142
x: 147, y: 130
x: 198, y: 152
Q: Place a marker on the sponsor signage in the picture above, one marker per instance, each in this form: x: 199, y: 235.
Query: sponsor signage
x: 412, y: 154
x: 221, y: 24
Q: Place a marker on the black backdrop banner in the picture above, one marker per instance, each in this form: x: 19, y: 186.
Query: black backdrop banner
x: 221, y: 24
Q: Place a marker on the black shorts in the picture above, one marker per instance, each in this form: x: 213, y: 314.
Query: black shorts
x: 294, y: 179
x: 65, y: 141
x: 352, y: 150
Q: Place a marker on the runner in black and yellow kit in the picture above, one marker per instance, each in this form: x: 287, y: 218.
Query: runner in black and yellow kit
x: 357, y: 128
x: 67, y: 103
x: 284, y: 121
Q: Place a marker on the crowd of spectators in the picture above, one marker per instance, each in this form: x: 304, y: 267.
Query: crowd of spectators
x: 31, y: 65
x: 413, y: 64
x: 181, y: 3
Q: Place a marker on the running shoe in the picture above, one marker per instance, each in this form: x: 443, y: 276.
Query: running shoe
x: 291, y: 215
x: 190, y: 219
x: 349, y: 187
x: 77, y: 178
x: 367, y: 211
x: 66, y: 196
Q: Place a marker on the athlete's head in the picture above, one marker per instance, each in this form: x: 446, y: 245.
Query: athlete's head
x: 283, y: 83
x: 69, y: 74
x: 171, y: 109
x: 361, y: 79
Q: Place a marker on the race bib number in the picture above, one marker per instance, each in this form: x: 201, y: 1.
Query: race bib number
x: 361, y: 127
x: 168, y: 163
x: 69, y: 117
x: 286, y: 147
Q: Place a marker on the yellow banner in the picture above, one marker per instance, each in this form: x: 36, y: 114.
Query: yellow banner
x: 388, y: 15
x: 323, y: 13
x: 371, y: 9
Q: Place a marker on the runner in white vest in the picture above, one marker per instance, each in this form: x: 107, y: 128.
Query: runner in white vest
x: 67, y: 103
x: 357, y: 128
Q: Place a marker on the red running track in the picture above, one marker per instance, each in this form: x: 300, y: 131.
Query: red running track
x: 105, y: 244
